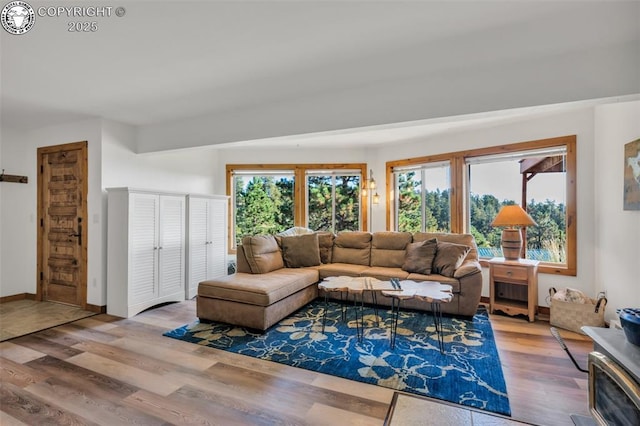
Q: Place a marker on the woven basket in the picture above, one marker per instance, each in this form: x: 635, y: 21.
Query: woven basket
x: 573, y: 316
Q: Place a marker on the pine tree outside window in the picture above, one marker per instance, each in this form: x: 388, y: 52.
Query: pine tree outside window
x: 422, y: 201
x: 263, y: 203
x: 333, y: 200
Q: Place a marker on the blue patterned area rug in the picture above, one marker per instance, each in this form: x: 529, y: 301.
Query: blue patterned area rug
x: 468, y: 373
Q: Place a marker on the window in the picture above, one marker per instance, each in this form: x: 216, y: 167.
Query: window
x: 333, y: 200
x: 533, y: 178
x: 267, y: 199
x: 473, y: 185
x: 263, y: 202
x: 422, y: 199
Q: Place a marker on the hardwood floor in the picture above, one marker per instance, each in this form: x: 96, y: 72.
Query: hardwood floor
x: 112, y: 371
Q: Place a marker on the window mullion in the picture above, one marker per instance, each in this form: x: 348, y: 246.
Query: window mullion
x: 300, y: 191
x: 333, y: 203
x: 423, y: 200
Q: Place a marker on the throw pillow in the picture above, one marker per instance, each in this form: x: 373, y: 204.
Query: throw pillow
x: 419, y: 257
x: 449, y: 257
x: 301, y: 250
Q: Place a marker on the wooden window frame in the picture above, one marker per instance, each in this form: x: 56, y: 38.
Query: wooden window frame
x: 460, y: 191
x: 299, y: 191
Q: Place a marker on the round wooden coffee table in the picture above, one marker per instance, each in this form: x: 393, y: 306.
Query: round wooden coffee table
x: 428, y: 291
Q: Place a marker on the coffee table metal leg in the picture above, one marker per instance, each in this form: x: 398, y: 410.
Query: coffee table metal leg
x: 437, y: 322
x: 343, y: 309
x: 359, y: 326
x: 395, y: 311
x: 324, y: 314
x: 374, y: 300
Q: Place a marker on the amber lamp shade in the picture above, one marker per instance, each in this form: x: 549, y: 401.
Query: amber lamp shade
x: 512, y: 218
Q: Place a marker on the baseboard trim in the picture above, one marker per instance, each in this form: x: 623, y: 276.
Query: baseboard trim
x: 15, y: 297
x: 96, y: 308
x: 29, y: 296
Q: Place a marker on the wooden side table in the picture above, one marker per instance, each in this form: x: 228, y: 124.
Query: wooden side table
x: 514, y: 286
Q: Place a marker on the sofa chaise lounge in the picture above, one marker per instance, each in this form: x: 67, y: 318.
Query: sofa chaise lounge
x: 276, y: 275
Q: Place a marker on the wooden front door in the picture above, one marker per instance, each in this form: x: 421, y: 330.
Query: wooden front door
x: 62, y: 227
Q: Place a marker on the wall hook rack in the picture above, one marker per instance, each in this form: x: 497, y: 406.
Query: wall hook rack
x: 13, y: 178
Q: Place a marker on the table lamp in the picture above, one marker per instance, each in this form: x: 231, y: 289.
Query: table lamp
x: 512, y: 217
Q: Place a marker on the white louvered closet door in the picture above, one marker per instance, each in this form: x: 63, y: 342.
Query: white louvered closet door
x: 143, y: 240
x: 207, y: 255
x: 171, y: 245
x: 198, y: 242
x: 218, y: 238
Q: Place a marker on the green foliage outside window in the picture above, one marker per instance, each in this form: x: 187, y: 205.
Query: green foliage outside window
x: 324, y: 215
x: 546, y: 241
x: 264, y: 205
x: 436, y: 206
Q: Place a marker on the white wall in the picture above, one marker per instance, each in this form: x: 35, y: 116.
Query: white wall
x: 2, y: 136
x: 617, y: 231
x: 15, y: 253
x: 190, y: 170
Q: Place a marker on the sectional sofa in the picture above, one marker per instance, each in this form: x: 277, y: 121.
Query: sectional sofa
x: 278, y: 274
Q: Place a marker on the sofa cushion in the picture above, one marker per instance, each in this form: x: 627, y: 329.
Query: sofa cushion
x: 384, y: 273
x: 241, y: 261
x: 338, y: 269
x: 325, y: 243
x: 449, y: 257
x: 388, y: 248
x: 419, y: 257
x: 300, y: 250
x: 262, y: 253
x: 261, y: 290
x: 352, y: 247
x: 464, y: 239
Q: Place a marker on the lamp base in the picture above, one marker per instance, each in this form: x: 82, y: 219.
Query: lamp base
x: 511, y: 244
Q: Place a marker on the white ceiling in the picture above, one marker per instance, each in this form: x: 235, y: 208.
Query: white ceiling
x: 167, y: 63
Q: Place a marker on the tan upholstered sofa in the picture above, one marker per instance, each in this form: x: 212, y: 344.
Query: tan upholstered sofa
x: 279, y: 274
